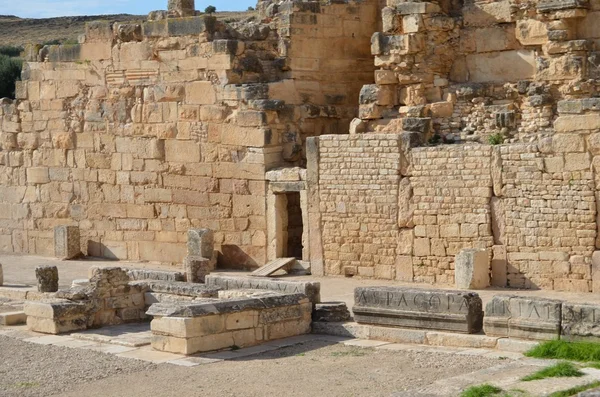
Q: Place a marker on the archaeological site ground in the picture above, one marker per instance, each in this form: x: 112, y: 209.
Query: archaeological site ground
x: 329, y: 197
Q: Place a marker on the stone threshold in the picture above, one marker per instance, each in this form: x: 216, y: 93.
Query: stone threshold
x: 422, y: 337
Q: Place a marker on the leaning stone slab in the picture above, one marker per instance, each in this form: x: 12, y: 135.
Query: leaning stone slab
x: 47, y: 278
x: 580, y: 322
x: 66, y: 242
x: 311, y: 289
x: 456, y: 311
x: 525, y: 318
x: 179, y: 288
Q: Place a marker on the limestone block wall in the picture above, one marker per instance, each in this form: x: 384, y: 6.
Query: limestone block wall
x: 139, y: 133
x: 358, y: 184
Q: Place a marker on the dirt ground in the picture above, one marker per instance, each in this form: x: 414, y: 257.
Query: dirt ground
x: 315, y: 368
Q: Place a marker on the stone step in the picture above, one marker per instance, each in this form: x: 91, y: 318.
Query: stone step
x: 13, y: 318
x: 273, y: 266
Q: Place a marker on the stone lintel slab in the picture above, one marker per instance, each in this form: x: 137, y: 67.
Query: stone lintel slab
x: 558, y: 5
x: 456, y: 311
x: 158, y: 275
x: 311, y: 289
x: 179, y: 288
x: 193, y: 309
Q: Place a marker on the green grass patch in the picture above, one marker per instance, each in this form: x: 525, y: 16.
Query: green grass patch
x: 563, y: 350
x: 574, y: 390
x: 593, y: 365
x: 484, y: 390
x: 26, y: 385
x: 561, y: 370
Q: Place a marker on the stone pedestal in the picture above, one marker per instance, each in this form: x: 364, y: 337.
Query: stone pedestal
x: 66, y: 242
x: 1, y: 276
x: 182, y: 8
x: 47, y: 278
x: 200, y: 243
x: 196, y: 268
x: 472, y: 269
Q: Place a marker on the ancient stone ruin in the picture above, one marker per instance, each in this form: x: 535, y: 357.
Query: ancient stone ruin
x: 360, y: 138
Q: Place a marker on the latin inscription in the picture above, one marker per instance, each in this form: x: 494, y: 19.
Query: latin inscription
x: 413, y: 301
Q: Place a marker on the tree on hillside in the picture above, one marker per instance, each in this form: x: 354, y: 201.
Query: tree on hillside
x: 210, y: 9
x: 10, y: 72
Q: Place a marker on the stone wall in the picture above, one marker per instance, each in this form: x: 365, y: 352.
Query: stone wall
x: 141, y: 132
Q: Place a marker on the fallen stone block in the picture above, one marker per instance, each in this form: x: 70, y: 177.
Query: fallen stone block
x: 179, y: 288
x: 196, y: 268
x: 472, y: 269
x: 419, y: 308
x: 66, y: 242
x: 47, y: 278
x: 56, y: 316
x: 311, y: 289
x: 526, y: 318
x: 145, y: 274
x: 13, y: 318
x: 331, y: 312
x: 580, y: 322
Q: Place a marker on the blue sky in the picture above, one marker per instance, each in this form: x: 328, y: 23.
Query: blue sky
x: 55, y: 8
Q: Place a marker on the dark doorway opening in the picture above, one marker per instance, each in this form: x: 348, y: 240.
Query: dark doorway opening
x: 294, y: 225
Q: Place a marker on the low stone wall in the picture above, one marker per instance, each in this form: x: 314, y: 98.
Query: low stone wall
x: 192, y: 328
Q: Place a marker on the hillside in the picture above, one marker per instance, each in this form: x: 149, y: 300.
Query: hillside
x: 19, y: 31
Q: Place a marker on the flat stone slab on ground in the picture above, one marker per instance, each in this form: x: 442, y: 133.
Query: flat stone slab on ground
x: 130, y: 335
x: 442, y: 310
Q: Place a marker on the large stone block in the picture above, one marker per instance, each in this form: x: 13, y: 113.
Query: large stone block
x: 47, y: 278
x: 419, y: 308
x: 66, y: 242
x: 472, y: 269
x: 200, y: 242
x: 182, y: 8
x: 311, y: 289
x: 501, y: 66
x: 525, y: 318
x: 580, y: 322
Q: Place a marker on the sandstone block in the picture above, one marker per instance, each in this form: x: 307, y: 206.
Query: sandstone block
x: 587, y: 122
x: 596, y: 272
x: 66, y: 242
x: 580, y: 322
x: 531, y: 32
x: 501, y: 66
x: 331, y: 312
x: 472, y: 269
x: 182, y: 8
x: 47, y: 278
x: 38, y: 175
x: 417, y: 308
x: 200, y: 93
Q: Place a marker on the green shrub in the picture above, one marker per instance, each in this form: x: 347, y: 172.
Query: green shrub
x: 561, y: 370
x: 496, y: 139
x: 574, y: 390
x: 563, y: 350
x: 10, y: 51
x: 210, y: 9
x: 481, y: 391
x: 10, y: 72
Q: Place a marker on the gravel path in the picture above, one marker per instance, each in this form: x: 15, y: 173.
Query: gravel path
x: 311, y: 369
x: 27, y: 369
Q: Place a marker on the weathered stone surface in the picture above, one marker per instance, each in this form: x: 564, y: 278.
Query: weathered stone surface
x: 331, y: 312
x: 56, y: 316
x: 518, y: 317
x: 228, y: 306
x: 66, y: 242
x: 200, y: 243
x: 472, y: 269
x: 1, y: 275
x: 146, y: 274
x: 179, y: 288
x: 311, y: 289
x: 47, y: 278
x: 414, y: 308
x: 196, y: 268
x: 580, y: 322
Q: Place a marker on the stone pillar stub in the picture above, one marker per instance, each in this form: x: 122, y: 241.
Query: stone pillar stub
x: 1, y: 276
x: 66, y: 242
x: 596, y: 272
x: 47, y: 278
x: 200, y: 243
x: 182, y: 8
x: 196, y: 269
x: 499, y: 266
x: 472, y: 269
